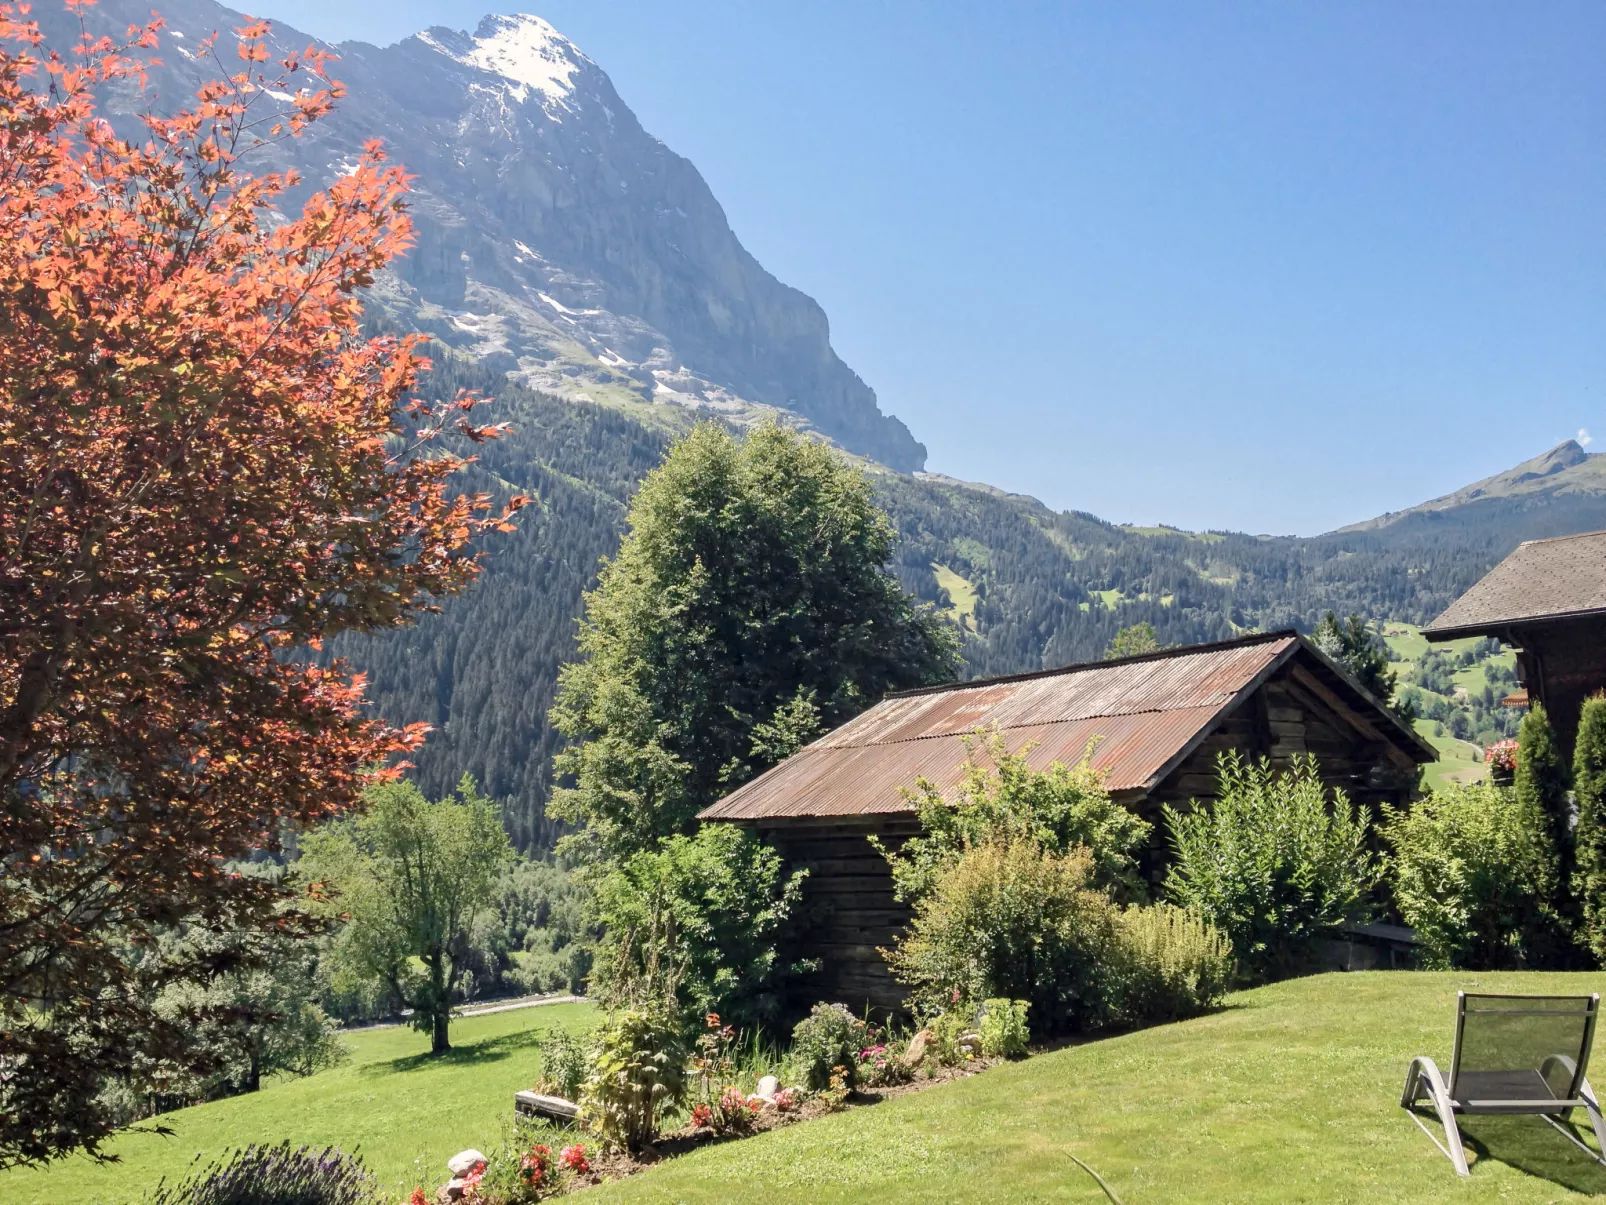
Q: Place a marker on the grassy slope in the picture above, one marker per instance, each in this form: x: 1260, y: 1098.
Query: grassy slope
x: 960, y: 592
x: 401, y: 1107
x: 1288, y: 1095
x: 1459, y: 761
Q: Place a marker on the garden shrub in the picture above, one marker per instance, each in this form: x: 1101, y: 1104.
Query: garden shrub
x: 1059, y: 809
x: 1473, y: 872
x: 1175, y: 964
x: 564, y: 1062
x: 1270, y: 862
x: 701, y: 917
x: 276, y: 1175
x: 881, y: 1065
x: 1589, y: 838
x: 729, y: 1114
x: 1013, y: 919
x: 1002, y: 1025
x: 830, y: 1037
x: 638, y: 1074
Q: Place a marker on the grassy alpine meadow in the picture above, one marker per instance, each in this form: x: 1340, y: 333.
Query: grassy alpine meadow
x: 406, y: 1112
x: 1289, y: 1094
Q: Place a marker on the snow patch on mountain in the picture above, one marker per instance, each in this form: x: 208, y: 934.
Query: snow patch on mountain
x: 525, y: 51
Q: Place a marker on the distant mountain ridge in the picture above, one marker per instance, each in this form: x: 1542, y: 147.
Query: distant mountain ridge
x: 558, y: 241
x: 1564, y: 469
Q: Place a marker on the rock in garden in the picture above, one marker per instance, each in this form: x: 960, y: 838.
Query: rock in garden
x: 970, y: 1042
x: 768, y: 1086
x: 919, y: 1046
x: 453, y: 1189
x: 463, y: 1162
x: 540, y: 1105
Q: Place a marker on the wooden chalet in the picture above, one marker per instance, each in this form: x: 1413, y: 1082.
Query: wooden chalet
x: 1155, y: 722
x: 1548, y: 600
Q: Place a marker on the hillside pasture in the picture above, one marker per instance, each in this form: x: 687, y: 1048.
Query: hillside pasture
x: 405, y: 1111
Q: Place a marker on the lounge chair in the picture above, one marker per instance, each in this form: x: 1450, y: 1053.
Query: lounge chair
x: 1512, y: 1054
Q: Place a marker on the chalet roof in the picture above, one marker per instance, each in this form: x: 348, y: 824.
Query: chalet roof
x: 1146, y: 714
x: 1542, y: 579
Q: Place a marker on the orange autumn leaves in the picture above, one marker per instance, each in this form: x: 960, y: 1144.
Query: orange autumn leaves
x: 203, y: 464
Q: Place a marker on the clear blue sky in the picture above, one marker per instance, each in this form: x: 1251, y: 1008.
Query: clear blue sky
x: 1268, y: 266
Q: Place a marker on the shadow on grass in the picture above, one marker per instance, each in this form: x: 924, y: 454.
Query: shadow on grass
x: 1531, y: 1146
x: 487, y: 1050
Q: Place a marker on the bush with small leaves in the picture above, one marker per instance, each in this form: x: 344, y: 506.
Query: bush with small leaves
x: 1002, y: 1026
x: 276, y: 1175
x: 1271, y: 862
x: 827, y: 1040
x: 638, y: 1074
x: 1474, y: 873
x: 1013, y: 919
x: 1175, y: 964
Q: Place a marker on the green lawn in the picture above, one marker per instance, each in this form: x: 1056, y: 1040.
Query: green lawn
x: 1288, y: 1095
x: 402, y: 1108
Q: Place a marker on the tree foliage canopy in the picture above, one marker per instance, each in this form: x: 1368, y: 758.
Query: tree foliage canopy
x: 748, y: 608
x: 202, y: 465
x: 409, y: 877
x: 1589, y: 837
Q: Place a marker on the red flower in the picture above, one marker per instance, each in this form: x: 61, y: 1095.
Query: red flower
x: 702, y: 1115
x: 574, y: 1158
x: 418, y: 1197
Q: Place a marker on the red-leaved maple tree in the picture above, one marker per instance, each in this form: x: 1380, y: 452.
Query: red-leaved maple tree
x: 203, y: 466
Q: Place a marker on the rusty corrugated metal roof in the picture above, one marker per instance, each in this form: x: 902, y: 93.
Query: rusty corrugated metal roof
x: 1143, y: 713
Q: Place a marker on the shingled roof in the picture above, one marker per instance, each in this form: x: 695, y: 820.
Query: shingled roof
x: 1542, y: 579
x: 1146, y: 714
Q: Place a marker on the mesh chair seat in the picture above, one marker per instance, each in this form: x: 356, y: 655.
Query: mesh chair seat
x: 1474, y: 1088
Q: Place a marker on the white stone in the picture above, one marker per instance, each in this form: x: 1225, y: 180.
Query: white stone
x: 768, y: 1086
x: 463, y: 1162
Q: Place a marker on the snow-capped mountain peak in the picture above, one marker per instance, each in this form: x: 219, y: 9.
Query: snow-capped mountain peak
x: 522, y: 49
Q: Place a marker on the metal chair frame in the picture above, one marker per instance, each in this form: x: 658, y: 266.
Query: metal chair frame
x: 1423, y: 1079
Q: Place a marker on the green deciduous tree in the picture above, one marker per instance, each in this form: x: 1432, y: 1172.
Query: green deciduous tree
x: 1589, y: 838
x: 749, y: 606
x: 409, y: 878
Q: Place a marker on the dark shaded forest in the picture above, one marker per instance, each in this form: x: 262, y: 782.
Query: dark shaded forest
x: 1050, y: 588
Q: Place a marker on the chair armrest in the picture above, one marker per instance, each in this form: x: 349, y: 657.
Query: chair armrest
x: 1423, y: 1068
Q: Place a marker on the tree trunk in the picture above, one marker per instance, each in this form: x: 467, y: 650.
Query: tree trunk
x: 438, y: 1041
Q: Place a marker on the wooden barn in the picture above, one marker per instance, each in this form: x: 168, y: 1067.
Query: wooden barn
x: 1548, y: 600
x: 1159, y: 720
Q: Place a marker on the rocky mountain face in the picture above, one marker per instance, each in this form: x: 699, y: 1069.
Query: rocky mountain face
x: 558, y: 241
